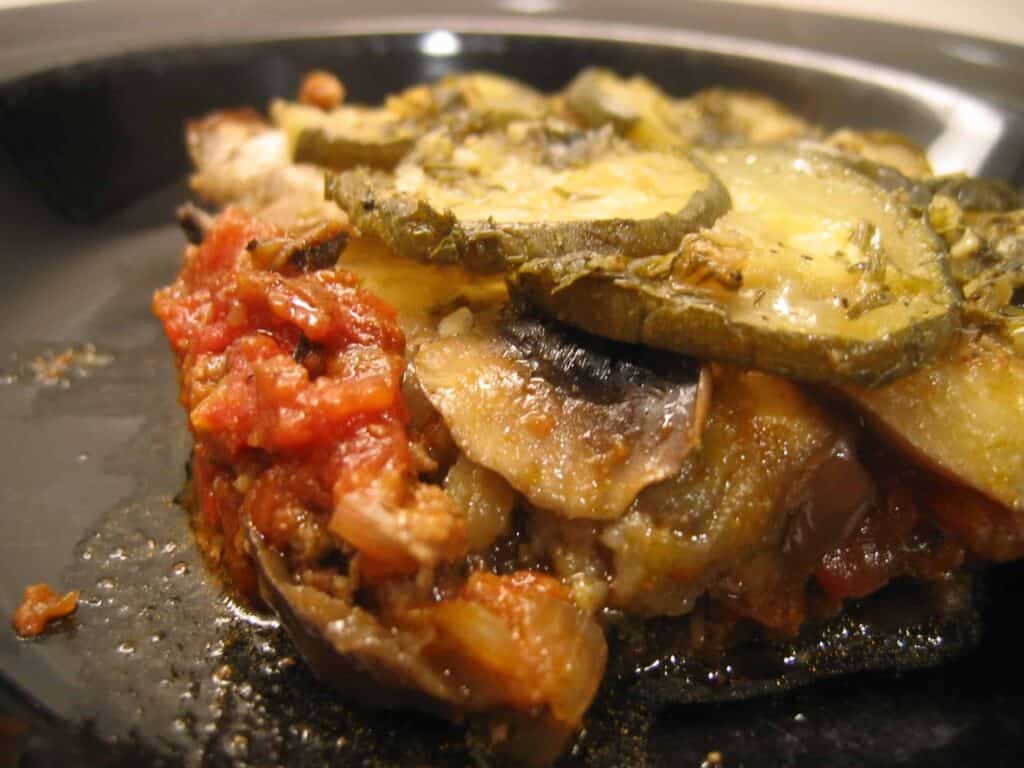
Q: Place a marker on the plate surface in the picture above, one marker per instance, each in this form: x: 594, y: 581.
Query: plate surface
x: 157, y: 660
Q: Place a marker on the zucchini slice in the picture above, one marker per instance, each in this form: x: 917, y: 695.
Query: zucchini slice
x: 344, y: 137
x: 488, y: 100
x: 731, y: 117
x: 976, y: 195
x: 642, y: 112
x: 636, y: 108
x: 501, y: 198
x: 379, y: 137
x: 962, y: 416
x: 884, y: 148
x: 815, y: 273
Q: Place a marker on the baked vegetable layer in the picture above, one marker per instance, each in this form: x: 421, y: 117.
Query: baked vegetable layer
x: 497, y: 199
x: 816, y: 272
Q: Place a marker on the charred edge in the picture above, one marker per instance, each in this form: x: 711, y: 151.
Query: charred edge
x: 194, y: 222
x: 320, y: 255
x: 311, y: 253
x: 302, y: 348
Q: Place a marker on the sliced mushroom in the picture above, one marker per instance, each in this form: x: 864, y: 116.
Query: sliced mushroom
x: 576, y: 424
x: 511, y: 649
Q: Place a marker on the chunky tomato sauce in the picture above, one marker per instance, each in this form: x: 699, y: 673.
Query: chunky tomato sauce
x: 291, y: 379
x: 291, y: 383
x: 901, y: 536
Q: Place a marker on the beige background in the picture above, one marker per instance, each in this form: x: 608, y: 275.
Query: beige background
x: 996, y: 19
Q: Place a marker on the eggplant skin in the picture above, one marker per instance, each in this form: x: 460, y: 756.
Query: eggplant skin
x: 600, y: 295
x: 413, y: 228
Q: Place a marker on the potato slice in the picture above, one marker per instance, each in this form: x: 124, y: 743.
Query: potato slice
x: 575, y: 426
x: 962, y: 416
x: 421, y: 293
x: 815, y: 273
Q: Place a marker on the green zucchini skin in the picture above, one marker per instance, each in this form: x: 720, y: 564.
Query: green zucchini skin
x: 602, y: 297
x: 697, y: 299
x: 415, y: 229
x: 317, y: 146
x: 379, y: 137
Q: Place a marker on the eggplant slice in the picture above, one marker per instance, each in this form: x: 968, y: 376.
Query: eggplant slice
x: 756, y: 470
x: 347, y: 645
x: 500, y: 198
x: 579, y: 426
x: 815, y: 273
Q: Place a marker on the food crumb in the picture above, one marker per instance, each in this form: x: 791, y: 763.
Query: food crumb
x: 58, y: 367
x: 322, y: 90
x: 499, y: 733
x: 39, y: 606
x: 49, y: 369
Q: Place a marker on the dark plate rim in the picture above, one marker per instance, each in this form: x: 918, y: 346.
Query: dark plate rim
x: 962, y: 112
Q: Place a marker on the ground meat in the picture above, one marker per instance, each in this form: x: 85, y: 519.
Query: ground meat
x: 39, y: 606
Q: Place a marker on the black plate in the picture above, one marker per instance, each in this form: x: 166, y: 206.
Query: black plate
x: 158, y: 667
